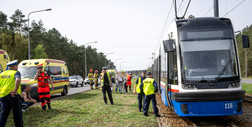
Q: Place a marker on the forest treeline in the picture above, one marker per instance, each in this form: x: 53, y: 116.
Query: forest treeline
x: 46, y: 44
x: 241, y: 51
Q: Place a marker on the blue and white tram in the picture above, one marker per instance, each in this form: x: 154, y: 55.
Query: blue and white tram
x: 197, y: 68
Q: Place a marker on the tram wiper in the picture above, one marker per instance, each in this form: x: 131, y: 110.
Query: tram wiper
x: 222, y: 71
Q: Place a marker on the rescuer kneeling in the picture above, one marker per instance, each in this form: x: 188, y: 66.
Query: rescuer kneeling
x: 149, y: 87
x: 43, y: 87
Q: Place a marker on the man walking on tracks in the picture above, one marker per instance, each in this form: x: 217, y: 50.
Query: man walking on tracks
x: 43, y: 87
x: 91, y: 78
x: 10, y: 91
x: 140, y: 95
x: 149, y: 87
x: 106, y: 84
x: 96, y: 77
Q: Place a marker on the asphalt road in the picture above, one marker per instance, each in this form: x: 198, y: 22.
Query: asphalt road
x: 248, y: 81
x: 79, y: 89
x: 73, y: 90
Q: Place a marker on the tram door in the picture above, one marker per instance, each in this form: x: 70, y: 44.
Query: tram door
x: 172, y: 74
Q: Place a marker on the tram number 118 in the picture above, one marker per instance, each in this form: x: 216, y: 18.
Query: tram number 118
x: 228, y: 105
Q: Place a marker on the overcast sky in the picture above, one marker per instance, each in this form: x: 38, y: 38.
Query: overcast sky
x: 128, y: 28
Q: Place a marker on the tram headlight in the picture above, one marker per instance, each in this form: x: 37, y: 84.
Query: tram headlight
x: 189, y: 86
x: 234, y: 85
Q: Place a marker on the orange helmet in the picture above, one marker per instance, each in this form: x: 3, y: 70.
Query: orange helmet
x: 96, y: 71
x: 91, y: 70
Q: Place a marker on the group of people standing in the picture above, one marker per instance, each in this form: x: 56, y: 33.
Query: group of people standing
x: 123, y: 82
x: 93, y: 78
x: 10, y: 90
x: 145, y: 86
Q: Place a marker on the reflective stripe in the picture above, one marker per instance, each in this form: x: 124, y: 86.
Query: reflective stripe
x: 90, y: 76
x: 7, y: 83
x: 148, y: 86
x: 138, y: 85
x: 43, y: 79
x: 102, y: 80
x: 44, y: 93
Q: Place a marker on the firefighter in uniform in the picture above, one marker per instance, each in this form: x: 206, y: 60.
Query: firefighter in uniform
x: 149, y: 87
x: 91, y: 78
x: 140, y: 95
x: 43, y: 87
x: 106, y: 84
x: 10, y: 91
x: 96, y: 77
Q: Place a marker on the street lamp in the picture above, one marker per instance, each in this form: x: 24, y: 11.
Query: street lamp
x: 106, y: 55
x: 29, y: 47
x: 117, y: 60
x: 86, y: 56
x: 121, y: 65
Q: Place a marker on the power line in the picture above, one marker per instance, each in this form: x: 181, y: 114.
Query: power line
x: 180, y: 5
x: 234, y: 8
x: 208, y: 11
x: 164, y: 27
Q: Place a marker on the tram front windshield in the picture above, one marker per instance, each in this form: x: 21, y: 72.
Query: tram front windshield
x: 207, y: 54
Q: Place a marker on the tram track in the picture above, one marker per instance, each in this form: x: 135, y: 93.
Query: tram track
x: 248, y: 98
x: 169, y: 118
x: 211, y: 122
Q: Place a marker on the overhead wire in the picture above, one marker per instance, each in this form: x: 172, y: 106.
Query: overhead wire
x: 208, y: 11
x: 234, y: 8
x: 163, y: 27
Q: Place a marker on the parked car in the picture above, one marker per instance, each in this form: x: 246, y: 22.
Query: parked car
x: 76, y: 80
x: 86, y: 81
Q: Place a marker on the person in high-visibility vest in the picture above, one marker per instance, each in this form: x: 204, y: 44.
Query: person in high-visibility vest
x: 10, y: 91
x: 96, y: 77
x: 43, y: 87
x: 149, y: 87
x: 91, y: 78
x: 140, y: 95
x: 106, y: 84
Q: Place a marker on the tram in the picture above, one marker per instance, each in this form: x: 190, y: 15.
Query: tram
x: 197, y: 68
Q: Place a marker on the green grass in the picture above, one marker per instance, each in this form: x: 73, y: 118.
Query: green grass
x: 87, y: 109
x: 247, y: 88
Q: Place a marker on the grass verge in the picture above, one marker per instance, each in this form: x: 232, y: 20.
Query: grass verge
x: 247, y: 87
x: 87, y: 109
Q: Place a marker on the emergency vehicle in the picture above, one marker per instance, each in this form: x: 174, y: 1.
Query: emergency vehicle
x: 57, y: 70
x: 4, y: 59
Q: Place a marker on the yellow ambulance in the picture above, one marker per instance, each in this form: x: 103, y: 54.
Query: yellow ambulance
x: 4, y: 59
x: 57, y: 70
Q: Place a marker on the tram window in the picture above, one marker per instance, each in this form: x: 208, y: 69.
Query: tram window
x: 172, y: 68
